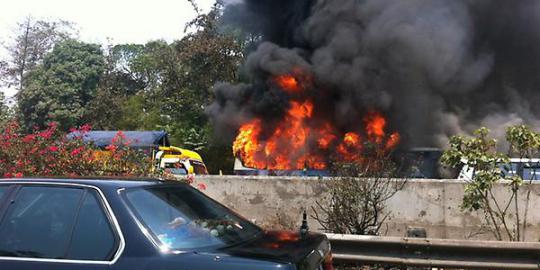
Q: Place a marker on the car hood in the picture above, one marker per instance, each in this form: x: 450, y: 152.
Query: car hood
x: 282, y: 246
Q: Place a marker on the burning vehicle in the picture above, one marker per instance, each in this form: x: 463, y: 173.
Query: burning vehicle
x: 303, y: 141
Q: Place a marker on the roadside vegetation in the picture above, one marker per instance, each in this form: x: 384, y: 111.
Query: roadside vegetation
x: 51, y: 152
x: 153, y: 86
x: 357, y: 200
x: 507, y: 218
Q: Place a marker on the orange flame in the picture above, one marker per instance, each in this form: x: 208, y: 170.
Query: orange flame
x: 299, y: 142
x: 246, y: 144
x: 294, y: 82
x: 350, y: 148
x: 326, y: 136
x: 351, y: 139
x: 375, y: 124
x: 288, y: 83
x: 393, y: 141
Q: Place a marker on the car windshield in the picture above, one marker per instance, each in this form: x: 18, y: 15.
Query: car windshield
x: 177, y: 171
x: 176, y: 168
x: 180, y: 218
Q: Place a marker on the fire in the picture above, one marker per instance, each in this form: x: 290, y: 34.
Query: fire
x: 326, y: 136
x: 375, y: 124
x: 294, y: 82
x: 351, y: 139
x: 300, y: 141
x: 350, y: 148
x: 393, y: 141
x: 247, y: 141
x: 288, y: 83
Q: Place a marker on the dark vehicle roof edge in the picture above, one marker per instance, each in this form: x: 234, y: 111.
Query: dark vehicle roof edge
x: 119, y: 182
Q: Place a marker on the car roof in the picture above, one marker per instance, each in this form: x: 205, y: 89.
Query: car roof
x: 100, y: 182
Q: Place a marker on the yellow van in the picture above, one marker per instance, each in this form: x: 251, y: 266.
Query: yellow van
x: 179, y: 161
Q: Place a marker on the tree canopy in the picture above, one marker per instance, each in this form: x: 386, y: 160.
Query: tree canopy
x: 62, y: 86
x: 32, y: 40
x: 156, y: 85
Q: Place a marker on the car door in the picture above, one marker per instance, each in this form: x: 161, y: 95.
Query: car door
x: 56, y: 227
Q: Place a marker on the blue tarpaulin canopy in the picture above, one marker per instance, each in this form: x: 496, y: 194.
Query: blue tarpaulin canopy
x: 137, y: 139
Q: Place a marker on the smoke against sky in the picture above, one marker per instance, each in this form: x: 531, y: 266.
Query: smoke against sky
x: 434, y: 68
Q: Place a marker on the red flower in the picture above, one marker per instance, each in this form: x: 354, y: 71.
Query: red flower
x: 29, y: 138
x: 119, y: 137
x: 45, y: 134
x: 111, y: 147
x: 8, y: 175
x: 190, y: 178
x: 85, y: 128
x: 19, y: 175
x: 53, y: 148
x: 76, y: 151
x: 201, y: 186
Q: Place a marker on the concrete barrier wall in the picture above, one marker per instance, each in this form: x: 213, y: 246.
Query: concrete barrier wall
x: 430, y: 204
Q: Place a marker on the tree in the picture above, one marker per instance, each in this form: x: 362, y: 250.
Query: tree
x: 5, y: 112
x: 117, y: 85
x: 131, y: 93
x: 4, y: 71
x: 357, y: 199
x: 503, y: 217
x: 32, y: 40
x: 62, y: 86
x: 157, y: 85
x: 175, y: 85
x: 209, y: 55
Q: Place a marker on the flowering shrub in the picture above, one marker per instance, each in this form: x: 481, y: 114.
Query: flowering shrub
x: 119, y: 159
x: 50, y: 152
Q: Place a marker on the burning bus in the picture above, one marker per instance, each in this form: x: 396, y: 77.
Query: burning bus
x: 303, y: 141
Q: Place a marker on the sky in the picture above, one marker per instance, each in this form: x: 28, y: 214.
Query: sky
x: 121, y: 21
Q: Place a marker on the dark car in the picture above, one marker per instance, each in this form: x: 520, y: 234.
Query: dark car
x: 139, y: 224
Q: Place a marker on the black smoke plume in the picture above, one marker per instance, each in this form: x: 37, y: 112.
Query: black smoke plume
x: 434, y: 68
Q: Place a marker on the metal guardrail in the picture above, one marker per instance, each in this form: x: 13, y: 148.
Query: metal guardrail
x: 441, y: 253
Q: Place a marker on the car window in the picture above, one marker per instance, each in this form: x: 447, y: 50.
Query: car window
x: 177, y: 171
x: 39, y: 222
x: 198, y: 168
x: 3, y: 191
x: 182, y: 218
x: 176, y: 168
x: 509, y: 170
x: 531, y: 172
x: 93, y: 237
